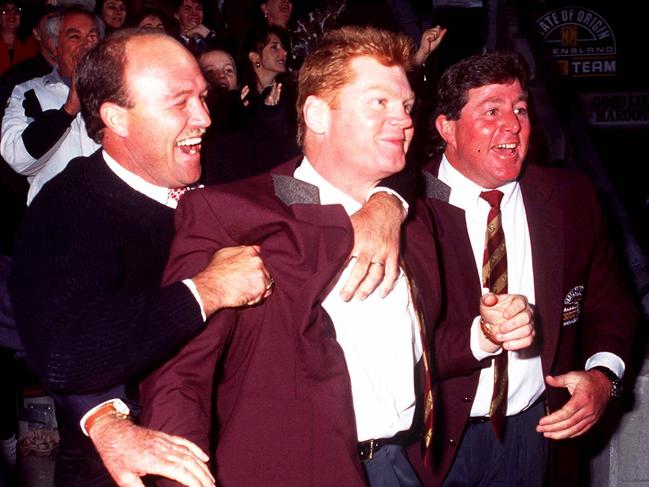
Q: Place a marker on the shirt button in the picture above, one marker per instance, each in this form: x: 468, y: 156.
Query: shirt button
x: 467, y: 399
x: 451, y: 442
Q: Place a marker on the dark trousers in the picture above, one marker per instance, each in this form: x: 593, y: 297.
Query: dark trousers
x: 518, y: 460
x: 389, y: 467
x: 77, y: 462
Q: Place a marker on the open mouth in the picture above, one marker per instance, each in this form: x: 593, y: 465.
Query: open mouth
x: 191, y: 145
x: 509, y: 148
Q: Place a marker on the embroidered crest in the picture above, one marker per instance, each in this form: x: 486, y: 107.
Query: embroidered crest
x: 572, y: 305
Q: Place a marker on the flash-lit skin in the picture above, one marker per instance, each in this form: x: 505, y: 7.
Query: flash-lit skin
x: 78, y: 33
x: 277, y: 12
x: 168, y: 90
x: 365, y: 137
x: 493, y: 115
x: 219, y: 69
x: 113, y: 12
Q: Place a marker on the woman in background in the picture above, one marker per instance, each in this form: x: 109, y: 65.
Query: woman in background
x: 14, y: 45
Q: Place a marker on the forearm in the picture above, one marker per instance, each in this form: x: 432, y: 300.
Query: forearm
x: 106, y: 341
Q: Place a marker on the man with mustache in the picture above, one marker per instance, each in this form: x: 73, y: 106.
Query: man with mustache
x: 89, y: 306
x: 86, y: 280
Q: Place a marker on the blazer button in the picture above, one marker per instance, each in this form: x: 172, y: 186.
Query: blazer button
x: 451, y: 442
x: 467, y: 399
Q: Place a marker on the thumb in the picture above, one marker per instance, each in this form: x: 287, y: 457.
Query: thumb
x: 558, y: 381
x: 130, y: 480
x: 489, y: 299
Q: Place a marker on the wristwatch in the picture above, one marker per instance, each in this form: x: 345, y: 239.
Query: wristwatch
x: 116, y: 408
x: 616, y: 383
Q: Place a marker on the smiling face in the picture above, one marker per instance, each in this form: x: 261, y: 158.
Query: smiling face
x: 163, y: 129
x: 277, y: 12
x: 77, y: 34
x: 368, y: 130
x: 9, y: 17
x: 113, y: 12
x: 489, y: 142
x: 273, y: 55
x: 189, y: 15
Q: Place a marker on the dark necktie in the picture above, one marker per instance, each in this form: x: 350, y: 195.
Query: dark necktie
x: 494, y: 278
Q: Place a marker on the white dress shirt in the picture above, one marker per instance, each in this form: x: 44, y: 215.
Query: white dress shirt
x: 379, y: 337
x: 526, y: 381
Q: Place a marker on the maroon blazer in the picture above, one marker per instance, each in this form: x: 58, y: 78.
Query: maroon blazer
x: 583, y: 305
x: 274, y: 373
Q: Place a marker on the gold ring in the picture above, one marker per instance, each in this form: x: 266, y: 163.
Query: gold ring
x: 378, y: 263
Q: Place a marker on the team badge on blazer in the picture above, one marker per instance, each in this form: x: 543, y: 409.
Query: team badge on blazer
x: 572, y: 305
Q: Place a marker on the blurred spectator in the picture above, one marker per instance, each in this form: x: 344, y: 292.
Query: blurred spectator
x: 219, y: 69
x: 112, y: 12
x: 254, y: 130
x: 151, y: 18
x: 42, y: 128
x: 277, y: 12
x: 265, y: 58
x: 15, y: 45
x: 193, y: 33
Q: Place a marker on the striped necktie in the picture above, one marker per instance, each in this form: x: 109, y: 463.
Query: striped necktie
x: 494, y: 278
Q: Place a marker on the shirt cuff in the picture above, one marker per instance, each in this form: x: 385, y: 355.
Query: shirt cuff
x: 608, y: 360
x: 478, y: 353
x: 383, y: 189
x: 192, y: 287
x: 82, y: 423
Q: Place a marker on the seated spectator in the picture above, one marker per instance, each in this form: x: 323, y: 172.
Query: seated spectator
x: 15, y: 45
x: 193, y: 33
x: 265, y: 59
x: 112, y: 12
x: 151, y: 18
x: 42, y: 128
x: 277, y: 12
x: 224, y: 98
x: 219, y: 69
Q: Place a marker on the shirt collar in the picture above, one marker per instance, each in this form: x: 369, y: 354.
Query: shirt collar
x: 157, y: 193
x: 464, y: 192
x: 55, y: 77
x: 329, y: 194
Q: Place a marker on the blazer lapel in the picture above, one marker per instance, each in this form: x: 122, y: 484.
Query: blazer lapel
x: 453, y: 239
x: 545, y: 222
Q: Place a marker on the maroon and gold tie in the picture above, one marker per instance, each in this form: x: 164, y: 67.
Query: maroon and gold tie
x: 428, y: 385
x: 494, y: 278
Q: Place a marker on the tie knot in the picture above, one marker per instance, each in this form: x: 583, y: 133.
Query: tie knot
x: 493, y: 197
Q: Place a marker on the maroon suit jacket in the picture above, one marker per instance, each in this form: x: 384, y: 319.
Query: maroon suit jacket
x: 582, y: 303
x: 274, y: 373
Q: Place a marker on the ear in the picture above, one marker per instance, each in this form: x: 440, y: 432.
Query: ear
x: 254, y: 58
x: 115, y: 118
x: 446, y: 128
x: 264, y: 8
x: 316, y: 114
